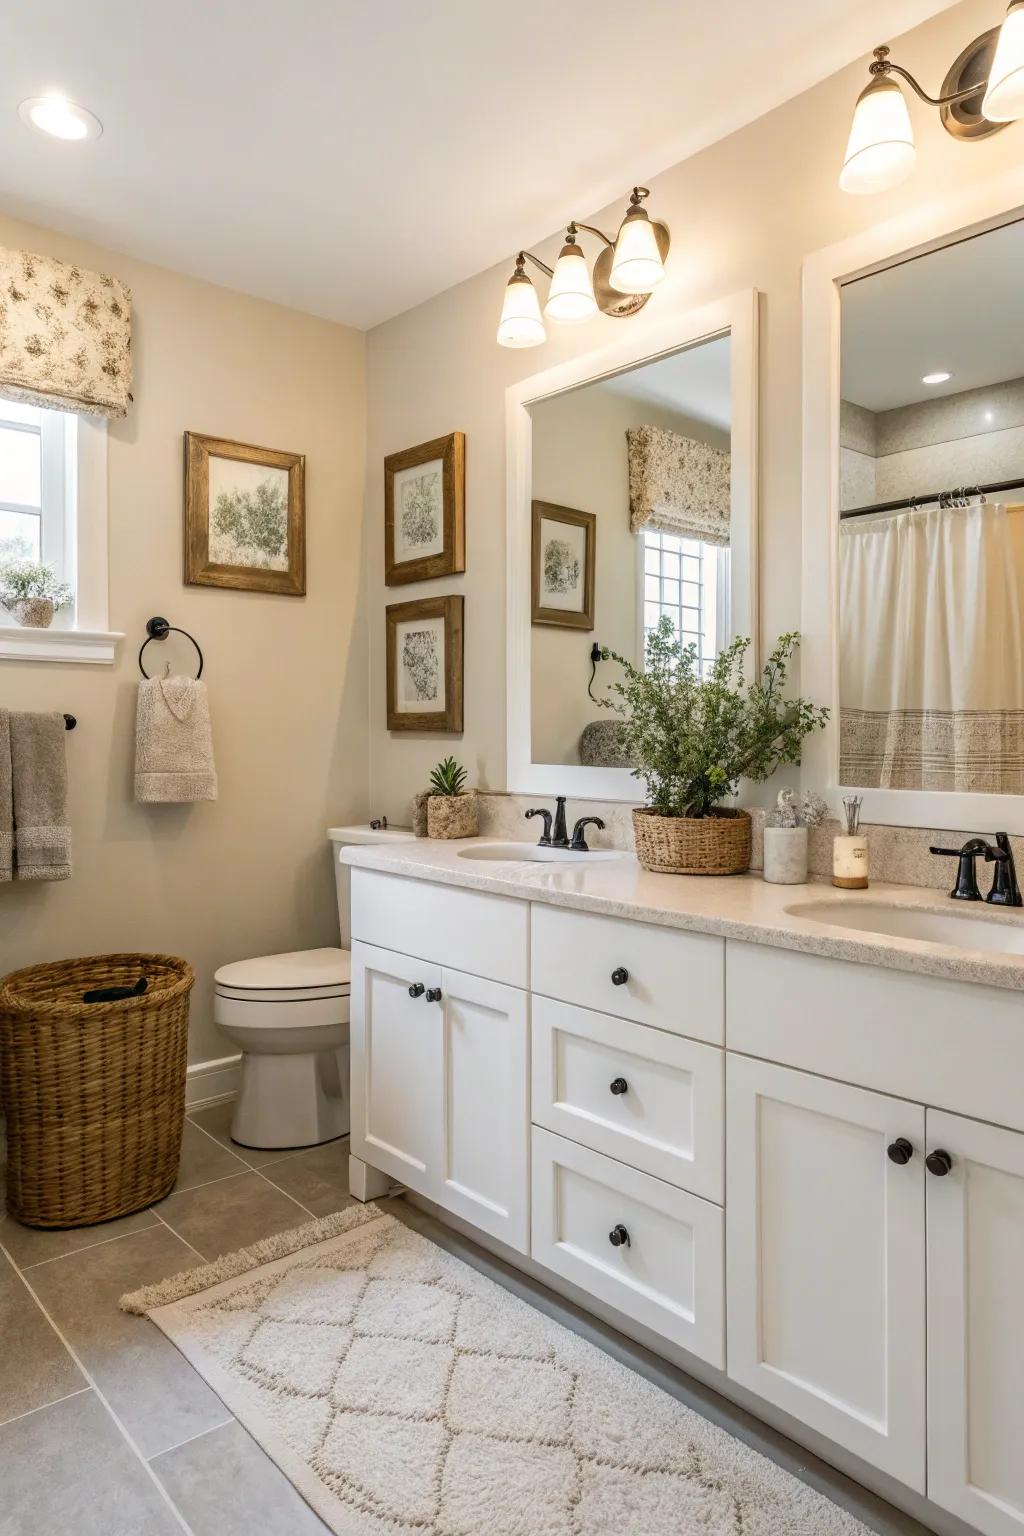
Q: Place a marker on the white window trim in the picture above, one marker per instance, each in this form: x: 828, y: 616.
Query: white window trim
x: 88, y: 638
x: 723, y: 629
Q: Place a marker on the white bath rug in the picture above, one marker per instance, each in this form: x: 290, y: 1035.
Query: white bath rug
x: 404, y: 1394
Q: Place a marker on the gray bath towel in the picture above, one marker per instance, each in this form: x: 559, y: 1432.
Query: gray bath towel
x: 42, y: 837
x: 6, y: 800
x: 173, y: 742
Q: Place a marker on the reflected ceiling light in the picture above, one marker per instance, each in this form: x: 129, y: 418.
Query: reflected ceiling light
x: 60, y: 118
x: 635, y: 257
x: 983, y: 91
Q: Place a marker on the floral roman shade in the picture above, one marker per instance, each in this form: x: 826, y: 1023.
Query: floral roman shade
x: 65, y: 335
x: 677, y: 485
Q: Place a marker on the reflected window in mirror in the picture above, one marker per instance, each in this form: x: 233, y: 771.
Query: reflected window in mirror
x: 931, y: 532
x: 688, y: 580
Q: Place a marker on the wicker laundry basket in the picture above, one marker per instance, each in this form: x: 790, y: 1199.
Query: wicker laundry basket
x: 94, y: 1093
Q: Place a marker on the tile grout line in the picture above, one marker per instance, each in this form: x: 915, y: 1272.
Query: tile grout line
x: 40, y: 1406
x: 164, y: 1223
x: 192, y: 1438
x: 104, y: 1242
x: 128, y: 1439
x: 284, y: 1158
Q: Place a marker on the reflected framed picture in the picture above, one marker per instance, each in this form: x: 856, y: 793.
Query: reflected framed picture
x: 564, y: 549
x: 424, y: 665
x: 425, y: 511
x: 245, y: 516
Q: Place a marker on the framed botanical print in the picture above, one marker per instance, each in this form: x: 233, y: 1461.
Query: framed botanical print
x: 245, y: 516
x: 424, y: 665
x: 425, y: 511
x: 564, y: 547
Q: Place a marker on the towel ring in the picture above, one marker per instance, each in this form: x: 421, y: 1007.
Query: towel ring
x: 159, y: 629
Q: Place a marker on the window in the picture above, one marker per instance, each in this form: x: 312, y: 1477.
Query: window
x: 689, y: 581
x: 53, y: 508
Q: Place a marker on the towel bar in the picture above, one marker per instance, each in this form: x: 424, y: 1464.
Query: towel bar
x: 70, y: 722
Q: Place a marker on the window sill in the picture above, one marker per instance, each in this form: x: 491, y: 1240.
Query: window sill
x: 89, y: 645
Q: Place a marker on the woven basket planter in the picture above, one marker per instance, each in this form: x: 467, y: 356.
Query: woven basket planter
x: 692, y: 845
x: 453, y: 816
x: 94, y: 1093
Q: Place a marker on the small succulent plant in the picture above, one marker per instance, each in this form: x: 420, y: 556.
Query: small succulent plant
x: 448, y: 778
x: 810, y: 811
x: 24, y: 579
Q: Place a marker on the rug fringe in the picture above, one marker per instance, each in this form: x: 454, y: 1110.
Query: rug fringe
x: 191, y: 1281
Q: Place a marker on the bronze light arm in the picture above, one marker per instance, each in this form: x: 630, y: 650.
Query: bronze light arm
x: 883, y: 65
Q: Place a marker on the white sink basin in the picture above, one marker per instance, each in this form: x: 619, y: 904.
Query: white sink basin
x: 977, y: 928
x: 532, y: 853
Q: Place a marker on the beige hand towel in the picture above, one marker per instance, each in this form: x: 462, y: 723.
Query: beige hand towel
x: 42, y: 837
x: 173, y: 742
x: 6, y: 800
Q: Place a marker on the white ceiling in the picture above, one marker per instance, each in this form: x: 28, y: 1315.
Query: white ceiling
x: 352, y: 158
x: 695, y: 383
x: 959, y: 310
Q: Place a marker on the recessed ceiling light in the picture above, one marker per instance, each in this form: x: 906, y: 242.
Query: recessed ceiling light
x: 60, y: 118
x: 936, y: 378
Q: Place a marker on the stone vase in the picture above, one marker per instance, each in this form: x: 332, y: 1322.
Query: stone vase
x: 451, y: 816
x: 31, y: 612
x: 785, y: 855
x: 419, y: 813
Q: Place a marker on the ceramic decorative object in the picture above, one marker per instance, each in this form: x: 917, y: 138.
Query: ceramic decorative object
x: 451, y: 816
x: 32, y: 612
x: 785, y: 855
x: 718, y: 844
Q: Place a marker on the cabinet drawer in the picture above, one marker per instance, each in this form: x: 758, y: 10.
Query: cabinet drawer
x: 468, y: 930
x: 674, y: 980
x: 668, y: 1276
x: 668, y: 1118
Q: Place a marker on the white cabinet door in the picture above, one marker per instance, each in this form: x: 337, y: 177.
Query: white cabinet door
x: 976, y: 1324
x: 396, y: 1065
x: 826, y: 1244
x: 483, y: 1117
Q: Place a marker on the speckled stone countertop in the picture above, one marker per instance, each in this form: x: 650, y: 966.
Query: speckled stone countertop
x: 735, y: 907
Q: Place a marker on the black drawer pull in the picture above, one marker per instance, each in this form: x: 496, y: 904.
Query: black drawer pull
x: 900, y: 1151
x: 433, y: 994
x: 417, y: 989
x: 620, y: 976
x: 938, y: 1162
x: 618, y: 1236
x: 618, y: 1085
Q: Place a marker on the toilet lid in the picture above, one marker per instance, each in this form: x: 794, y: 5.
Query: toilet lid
x: 324, y: 970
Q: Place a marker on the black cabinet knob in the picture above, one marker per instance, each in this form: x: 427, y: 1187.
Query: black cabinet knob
x: 618, y: 1085
x: 620, y: 976
x: 938, y: 1162
x: 618, y: 1236
x: 417, y: 989
x: 900, y: 1151
x: 433, y: 994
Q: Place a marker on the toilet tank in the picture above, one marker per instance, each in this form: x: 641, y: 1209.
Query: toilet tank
x: 358, y: 836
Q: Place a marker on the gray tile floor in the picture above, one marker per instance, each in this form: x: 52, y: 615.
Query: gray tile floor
x: 106, y: 1430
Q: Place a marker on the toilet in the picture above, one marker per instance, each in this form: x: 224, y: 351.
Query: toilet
x: 288, y: 1014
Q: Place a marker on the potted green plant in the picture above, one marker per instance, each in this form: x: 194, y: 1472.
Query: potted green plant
x: 694, y: 738
x: 451, y: 809
x: 31, y: 592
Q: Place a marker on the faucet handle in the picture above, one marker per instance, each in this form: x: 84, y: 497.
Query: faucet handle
x: 579, y: 841
x: 966, y: 887
x: 545, y: 837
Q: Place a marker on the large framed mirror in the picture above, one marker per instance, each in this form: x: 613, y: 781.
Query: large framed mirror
x: 631, y: 496
x: 914, y: 506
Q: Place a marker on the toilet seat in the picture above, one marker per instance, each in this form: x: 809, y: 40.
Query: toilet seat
x: 302, y: 987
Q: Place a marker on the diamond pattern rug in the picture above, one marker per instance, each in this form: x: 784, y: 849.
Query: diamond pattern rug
x: 405, y: 1394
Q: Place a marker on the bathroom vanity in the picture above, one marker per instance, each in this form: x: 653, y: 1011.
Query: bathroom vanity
x: 786, y: 1145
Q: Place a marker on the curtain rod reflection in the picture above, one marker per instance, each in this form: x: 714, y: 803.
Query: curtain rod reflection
x: 911, y: 503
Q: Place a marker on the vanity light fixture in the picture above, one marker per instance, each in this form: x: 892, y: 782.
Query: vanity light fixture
x: 983, y: 91
x: 626, y: 272
x: 61, y: 119
x: 935, y: 378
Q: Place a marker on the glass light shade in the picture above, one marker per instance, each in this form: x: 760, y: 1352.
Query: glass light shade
x: 520, y: 324
x: 637, y: 266
x: 1004, y: 99
x: 880, y: 152
x: 571, y: 295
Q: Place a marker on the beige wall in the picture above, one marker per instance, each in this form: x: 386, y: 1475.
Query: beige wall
x: 744, y: 213
x: 579, y: 460
x: 251, y: 873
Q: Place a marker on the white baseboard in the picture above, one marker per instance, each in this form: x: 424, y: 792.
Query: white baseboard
x: 212, y: 1079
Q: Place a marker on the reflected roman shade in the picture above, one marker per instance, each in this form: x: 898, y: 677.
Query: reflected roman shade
x: 677, y: 485
x: 65, y: 335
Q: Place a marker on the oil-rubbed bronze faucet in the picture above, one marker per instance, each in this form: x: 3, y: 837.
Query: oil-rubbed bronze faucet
x: 555, y: 834
x: 1005, y: 890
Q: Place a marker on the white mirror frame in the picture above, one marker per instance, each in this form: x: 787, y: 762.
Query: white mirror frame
x: 985, y: 206
x: 643, y: 340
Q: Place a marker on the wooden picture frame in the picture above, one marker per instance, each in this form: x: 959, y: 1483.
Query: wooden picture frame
x: 425, y: 514
x: 581, y: 558
x: 262, y: 518
x: 424, y: 665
